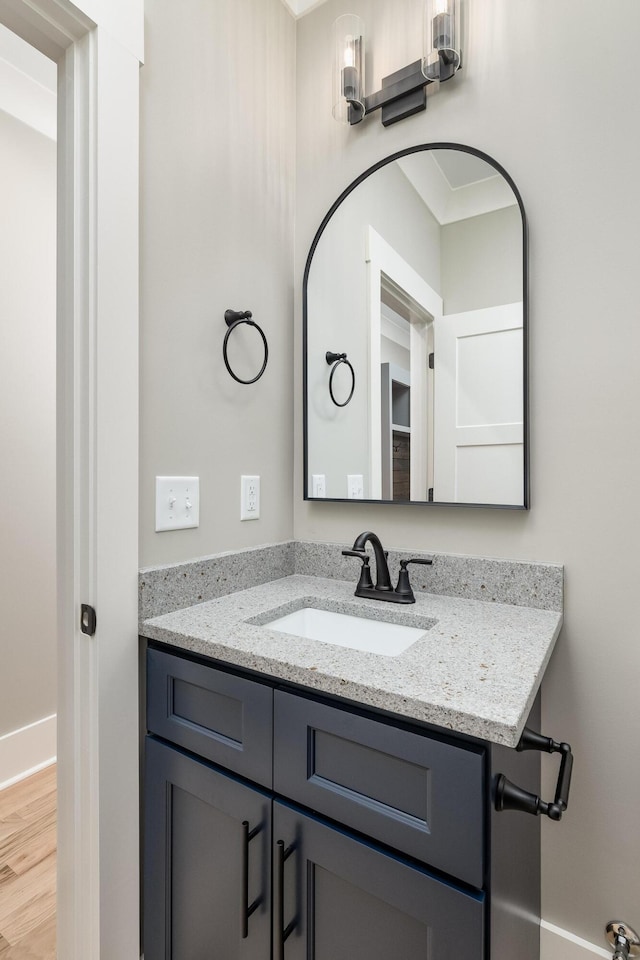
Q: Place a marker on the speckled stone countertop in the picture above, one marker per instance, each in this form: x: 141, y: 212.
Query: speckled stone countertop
x: 475, y: 671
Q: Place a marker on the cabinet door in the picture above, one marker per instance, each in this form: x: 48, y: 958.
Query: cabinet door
x: 204, y: 869
x: 337, y: 898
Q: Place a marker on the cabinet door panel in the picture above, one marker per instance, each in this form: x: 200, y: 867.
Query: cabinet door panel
x: 219, y: 716
x: 194, y: 854
x: 408, y: 790
x: 350, y: 899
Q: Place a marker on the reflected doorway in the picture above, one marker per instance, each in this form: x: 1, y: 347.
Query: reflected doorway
x: 406, y: 395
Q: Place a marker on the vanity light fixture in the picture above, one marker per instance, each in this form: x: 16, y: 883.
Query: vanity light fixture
x: 403, y: 93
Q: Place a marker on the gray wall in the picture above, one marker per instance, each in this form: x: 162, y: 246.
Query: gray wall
x: 482, y: 261
x: 27, y: 425
x: 531, y: 97
x: 217, y: 174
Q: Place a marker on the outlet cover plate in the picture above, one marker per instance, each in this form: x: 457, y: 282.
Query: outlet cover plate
x: 355, y: 486
x: 177, y: 503
x: 319, y: 485
x: 249, y: 497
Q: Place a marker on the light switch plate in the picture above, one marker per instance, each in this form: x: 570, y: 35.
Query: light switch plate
x: 318, y: 485
x: 177, y: 503
x: 249, y: 498
x: 355, y: 486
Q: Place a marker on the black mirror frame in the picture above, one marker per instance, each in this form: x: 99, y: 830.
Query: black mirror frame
x: 421, y: 148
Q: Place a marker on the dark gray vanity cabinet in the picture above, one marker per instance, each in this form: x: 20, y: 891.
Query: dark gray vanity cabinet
x: 285, y: 826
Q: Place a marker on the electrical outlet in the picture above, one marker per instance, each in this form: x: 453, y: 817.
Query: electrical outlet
x: 177, y: 503
x: 249, y: 498
x: 355, y: 486
x: 318, y: 485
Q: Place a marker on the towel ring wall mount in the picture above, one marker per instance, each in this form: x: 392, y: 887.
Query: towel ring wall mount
x: 233, y: 319
x: 334, y: 360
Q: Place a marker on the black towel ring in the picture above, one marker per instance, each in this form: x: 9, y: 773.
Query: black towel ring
x: 336, y: 359
x: 233, y: 319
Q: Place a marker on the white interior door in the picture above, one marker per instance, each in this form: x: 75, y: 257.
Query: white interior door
x: 478, y: 406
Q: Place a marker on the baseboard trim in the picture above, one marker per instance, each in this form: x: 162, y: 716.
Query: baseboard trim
x: 559, y: 944
x: 27, y: 750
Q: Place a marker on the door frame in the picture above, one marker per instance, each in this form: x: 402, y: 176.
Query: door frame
x: 97, y: 428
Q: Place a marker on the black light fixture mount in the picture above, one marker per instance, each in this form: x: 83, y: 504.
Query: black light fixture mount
x: 404, y: 92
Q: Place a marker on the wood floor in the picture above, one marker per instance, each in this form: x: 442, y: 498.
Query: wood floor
x: 28, y: 868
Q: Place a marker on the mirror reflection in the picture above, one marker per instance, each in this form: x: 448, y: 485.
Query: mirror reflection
x: 418, y: 277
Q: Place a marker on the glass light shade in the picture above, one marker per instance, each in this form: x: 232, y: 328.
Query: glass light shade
x: 348, y: 67
x: 441, y: 48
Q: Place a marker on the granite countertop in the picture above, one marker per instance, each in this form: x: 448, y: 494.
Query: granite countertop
x: 475, y: 671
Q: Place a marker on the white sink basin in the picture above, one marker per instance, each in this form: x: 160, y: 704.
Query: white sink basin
x: 342, y: 630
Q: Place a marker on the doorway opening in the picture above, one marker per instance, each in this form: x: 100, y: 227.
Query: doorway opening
x: 97, y: 426
x: 406, y: 393
x: 28, y: 587
x: 402, y: 313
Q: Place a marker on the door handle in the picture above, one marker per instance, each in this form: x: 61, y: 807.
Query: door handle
x: 282, y: 932
x: 247, y: 908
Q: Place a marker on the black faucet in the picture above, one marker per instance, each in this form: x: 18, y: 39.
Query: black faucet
x: 383, y: 589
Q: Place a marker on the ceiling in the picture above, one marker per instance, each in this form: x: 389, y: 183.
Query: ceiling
x: 299, y: 7
x: 462, y: 169
x: 456, y: 185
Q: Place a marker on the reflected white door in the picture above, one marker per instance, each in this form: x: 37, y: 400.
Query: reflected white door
x: 478, y: 406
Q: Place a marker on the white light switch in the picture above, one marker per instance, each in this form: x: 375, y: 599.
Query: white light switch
x: 249, y: 498
x: 318, y: 485
x: 355, y: 486
x: 177, y: 503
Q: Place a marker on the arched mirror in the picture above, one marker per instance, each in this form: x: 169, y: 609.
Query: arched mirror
x: 418, y: 274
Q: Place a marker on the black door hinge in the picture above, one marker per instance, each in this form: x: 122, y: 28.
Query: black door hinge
x: 430, y: 495
x: 87, y: 619
x: 432, y: 360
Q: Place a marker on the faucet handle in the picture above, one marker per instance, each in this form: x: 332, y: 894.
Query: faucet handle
x: 404, y: 587
x: 365, y: 582
x: 362, y: 554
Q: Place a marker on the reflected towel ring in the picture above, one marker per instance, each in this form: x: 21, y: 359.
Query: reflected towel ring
x: 233, y: 319
x: 336, y: 359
